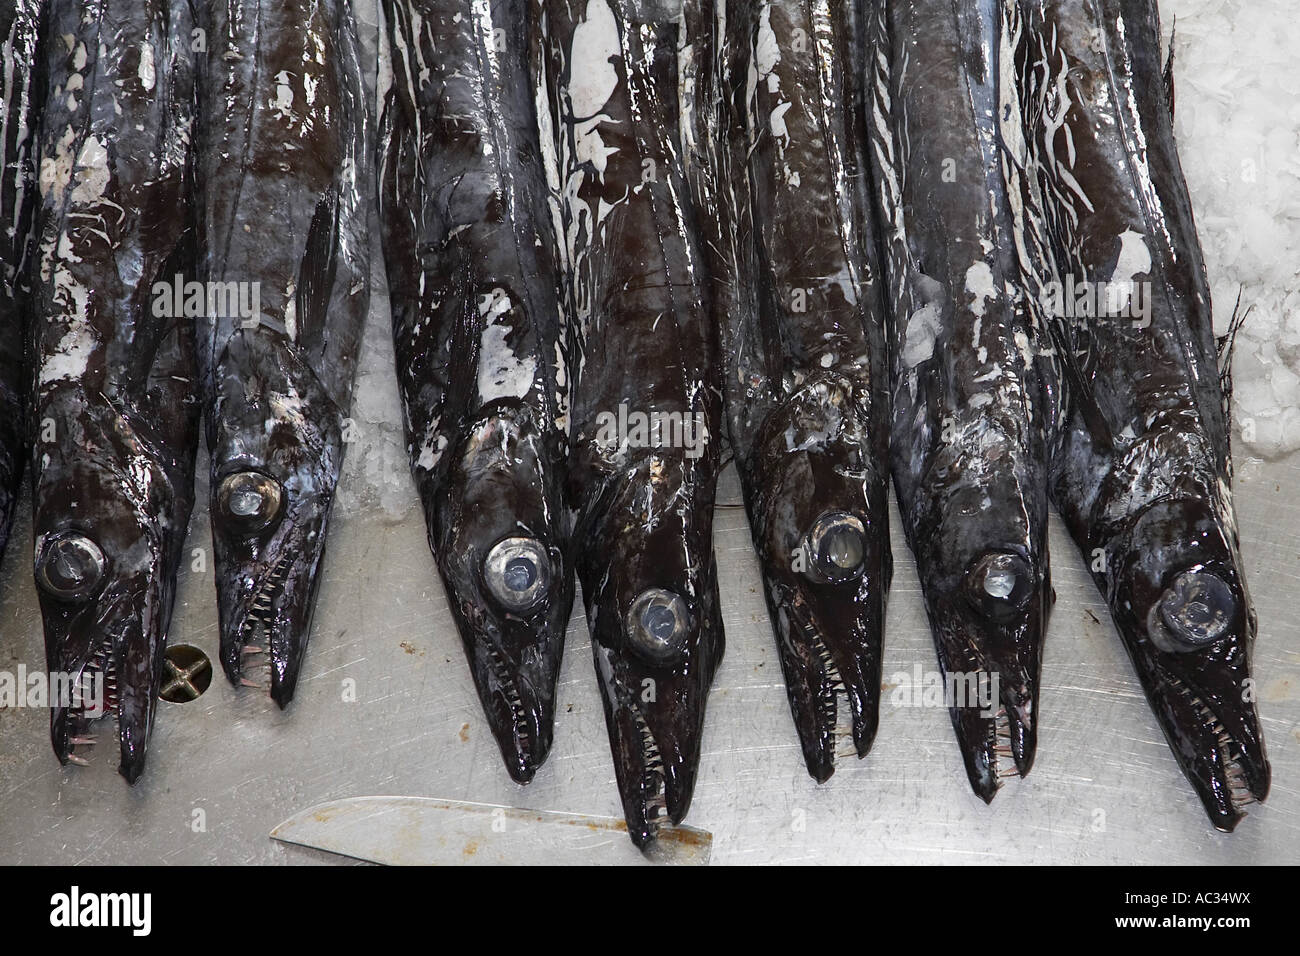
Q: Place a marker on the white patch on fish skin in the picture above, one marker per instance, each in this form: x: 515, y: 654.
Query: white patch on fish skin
x: 1134, y: 260
x: 72, y: 355
x: 595, y: 44
x: 922, y: 330
x: 56, y: 170
x: 283, y: 102
x: 501, y: 373
x: 979, y: 283
x: 146, y: 69
x: 91, y: 172
x: 291, y: 311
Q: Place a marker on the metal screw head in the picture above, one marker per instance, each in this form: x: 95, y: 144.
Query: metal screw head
x: 187, y: 673
x: 658, y: 625
x: 70, y: 566
x: 1196, y: 610
x: 250, y: 500
x: 517, y: 572
x: 837, y: 546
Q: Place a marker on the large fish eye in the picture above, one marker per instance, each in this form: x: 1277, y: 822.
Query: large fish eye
x: 837, y: 547
x: 1196, y: 611
x: 70, y: 566
x: 517, y: 572
x: 250, y: 499
x: 658, y: 624
x: 999, y: 584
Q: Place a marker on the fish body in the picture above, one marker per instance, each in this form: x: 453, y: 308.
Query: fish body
x: 20, y: 93
x: 973, y: 383
x: 114, y: 407
x: 285, y: 173
x: 1144, y: 472
x: 646, y: 402
x: 480, y: 350
x: 798, y: 299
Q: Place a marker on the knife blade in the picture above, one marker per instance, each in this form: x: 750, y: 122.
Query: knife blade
x: 426, y: 831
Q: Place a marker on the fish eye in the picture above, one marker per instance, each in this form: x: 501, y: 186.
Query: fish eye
x: 658, y: 625
x: 70, y: 566
x: 517, y: 572
x: 999, y: 584
x: 250, y: 499
x: 1196, y: 610
x: 837, y: 545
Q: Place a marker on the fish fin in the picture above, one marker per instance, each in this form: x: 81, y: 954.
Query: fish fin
x: 1227, y: 344
x: 1078, y: 395
x: 1169, y: 68
x: 318, y: 267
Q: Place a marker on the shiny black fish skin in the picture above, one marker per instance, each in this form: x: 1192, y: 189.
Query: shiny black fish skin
x: 114, y: 408
x: 476, y: 327
x: 637, y: 292
x: 974, y: 387
x: 798, y: 300
x: 1143, y: 478
x: 285, y: 172
x: 21, y: 87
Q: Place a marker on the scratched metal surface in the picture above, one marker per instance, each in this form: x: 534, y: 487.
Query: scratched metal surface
x: 1105, y: 788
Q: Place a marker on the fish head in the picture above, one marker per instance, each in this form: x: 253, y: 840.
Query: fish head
x: 277, y: 451
x: 1180, y: 601
x: 109, y: 526
x: 498, y: 527
x: 818, y: 503
x: 650, y: 585
x: 982, y: 554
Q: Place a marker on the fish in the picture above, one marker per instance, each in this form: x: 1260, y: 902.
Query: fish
x: 480, y: 346
x: 646, y: 382
x: 1143, y: 475
x: 285, y: 175
x: 798, y: 299
x: 975, y: 391
x: 20, y: 90
x: 114, y: 388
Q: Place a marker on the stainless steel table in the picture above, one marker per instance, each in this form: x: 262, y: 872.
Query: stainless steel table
x: 224, y: 769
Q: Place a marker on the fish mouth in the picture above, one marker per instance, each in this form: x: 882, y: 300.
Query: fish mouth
x: 988, y: 623
x: 1183, y: 611
x: 514, y: 649
x: 496, y: 527
x: 817, y: 508
x: 105, y: 632
x: 269, y: 541
x: 657, y: 637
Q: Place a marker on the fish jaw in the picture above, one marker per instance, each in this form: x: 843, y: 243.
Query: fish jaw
x: 810, y: 478
x: 498, y: 534
x: 116, y: 627
x: 266, y: 582
x: 641, y: 558
x: 276, y: 442
x: 1200, y: 689
x: 988, y: 597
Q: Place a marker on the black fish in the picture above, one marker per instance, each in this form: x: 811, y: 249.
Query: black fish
x: 798, y: 301
x: 476, y: 328
x: 646, y: 402
x: 114, y: 409
x: 284, y: 166
x: 974, y: 382
x: 1143, y: 476
x: 20, y: 89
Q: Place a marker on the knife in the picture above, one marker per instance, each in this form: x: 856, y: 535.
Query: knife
x: 425, y: 831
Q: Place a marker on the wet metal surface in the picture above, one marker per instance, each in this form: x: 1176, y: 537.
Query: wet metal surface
x: 386, y: 706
